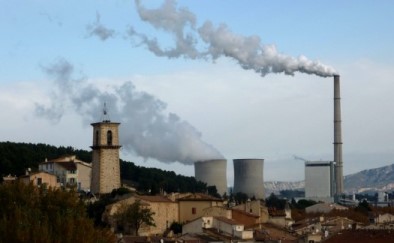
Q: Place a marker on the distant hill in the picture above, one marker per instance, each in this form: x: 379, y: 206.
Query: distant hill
x: 15, y: 158
x: 277, y: 186
x: 366, y: 181
x: 378, y: 179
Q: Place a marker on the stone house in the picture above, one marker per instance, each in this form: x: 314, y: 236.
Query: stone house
x: 69, y: 171
x: 248, y: 219
x: 165, y: 212
x: 9, y: 179
x: 40, y: 178
x: 193, y: 206
x: 281, y: 218
x: 252, y: 208
x: 219, y: 225
x: 324, y: 208
x: 384, y: 218
x: 218, y: 211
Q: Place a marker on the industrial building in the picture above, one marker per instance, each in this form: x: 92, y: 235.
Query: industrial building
x: 320, y: 180
x: 212, y: 172
x: 338, y: 137
x: 248, y: 177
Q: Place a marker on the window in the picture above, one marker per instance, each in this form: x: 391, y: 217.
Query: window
x: 194, y: 211
x: 72, y: 181
x: 39, y: 181
x: 109, y: 137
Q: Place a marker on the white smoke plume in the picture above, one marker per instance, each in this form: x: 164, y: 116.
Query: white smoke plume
x: 146, y: 129
x: 219, y: 41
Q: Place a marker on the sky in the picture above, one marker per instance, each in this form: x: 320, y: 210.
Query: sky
x: 196, y: 80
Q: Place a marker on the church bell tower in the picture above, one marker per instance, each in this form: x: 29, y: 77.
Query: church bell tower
x: 105, y: 157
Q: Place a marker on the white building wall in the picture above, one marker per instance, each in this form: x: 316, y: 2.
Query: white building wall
x: 318, y: 179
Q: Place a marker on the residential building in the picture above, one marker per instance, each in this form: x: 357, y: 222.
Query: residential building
x: 255, y: 207
x: 9, y: 178
x: 69, y: 171
x: 193, y: 206
x: 324, y: 208
x: 165, y: 212
x: 40, y: 179
x: 219, y: 225
x: 384, y: 218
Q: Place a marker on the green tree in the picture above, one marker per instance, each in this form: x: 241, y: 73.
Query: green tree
x: 274, y: 202
x: 240, y: 197
x: 363, y: 207
x: 212, y: 191
x: 176, y: 227
x: 134, y: 216
x: 304, y: 203
x: 31, y: 214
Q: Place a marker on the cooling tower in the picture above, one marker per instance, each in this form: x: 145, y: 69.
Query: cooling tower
x: 212, y: 172
x: 338, y: 136
x: 248, y: 177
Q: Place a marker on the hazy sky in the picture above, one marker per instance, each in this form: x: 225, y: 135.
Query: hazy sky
x: 202, y: 79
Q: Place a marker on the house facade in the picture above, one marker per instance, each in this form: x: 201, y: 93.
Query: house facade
x: 193, y: 206
x: 69, y: 171
x: 40, y: 179
x: 165, y: 213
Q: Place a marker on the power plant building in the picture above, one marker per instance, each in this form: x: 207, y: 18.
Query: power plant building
x: 212, y: 172
x: 248, y: 177
x: 320, y: 180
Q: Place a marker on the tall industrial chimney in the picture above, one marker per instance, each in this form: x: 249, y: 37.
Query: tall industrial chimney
x: 338, y: 137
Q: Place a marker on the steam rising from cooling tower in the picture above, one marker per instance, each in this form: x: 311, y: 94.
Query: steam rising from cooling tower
x: 146, y: 130
x: 219, y: 41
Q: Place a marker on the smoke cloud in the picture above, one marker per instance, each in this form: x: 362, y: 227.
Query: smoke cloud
x: 146, y: 130
x: 218, y: 42
x: 99, y: 30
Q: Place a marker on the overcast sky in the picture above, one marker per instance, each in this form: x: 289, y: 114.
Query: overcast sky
x: 193, y: 80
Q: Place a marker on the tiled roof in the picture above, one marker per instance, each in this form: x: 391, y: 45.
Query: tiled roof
x: 64, y: 159
x: 276, y: 212
x: 68, y: 165
x: 245, y: 213
x: 228, y: 221
x: 153, y: 198
x: 199, y: 197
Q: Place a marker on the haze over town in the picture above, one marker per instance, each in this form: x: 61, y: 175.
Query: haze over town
x: 61, y: 60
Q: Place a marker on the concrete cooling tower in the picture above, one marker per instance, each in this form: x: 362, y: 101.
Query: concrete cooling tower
x: 212, y: 172
x: 248, y: 177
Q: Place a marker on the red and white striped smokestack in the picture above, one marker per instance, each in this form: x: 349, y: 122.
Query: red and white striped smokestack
x: 338, y: 137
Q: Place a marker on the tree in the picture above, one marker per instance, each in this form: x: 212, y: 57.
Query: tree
x: 363, y: 207
x: 274, y: 202
x: 32, y: 214
x: 240, y: 197
x: 212, y: 191
x: 176, y: 227
x: 134, y: 216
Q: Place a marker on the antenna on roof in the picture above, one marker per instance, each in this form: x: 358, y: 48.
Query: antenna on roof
x: 105, y: 113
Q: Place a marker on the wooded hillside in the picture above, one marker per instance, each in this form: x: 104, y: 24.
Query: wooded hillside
x: 15, y: 158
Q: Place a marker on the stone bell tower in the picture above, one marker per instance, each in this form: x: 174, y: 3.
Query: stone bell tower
x: 105, y: 157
